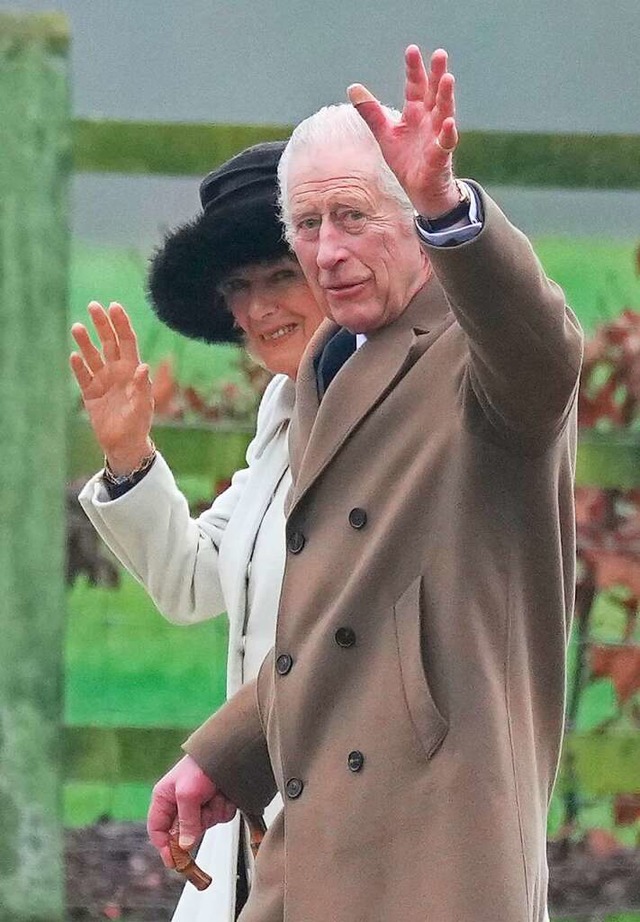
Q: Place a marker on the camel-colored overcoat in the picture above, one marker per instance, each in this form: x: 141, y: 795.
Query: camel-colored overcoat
x: 411, y: 713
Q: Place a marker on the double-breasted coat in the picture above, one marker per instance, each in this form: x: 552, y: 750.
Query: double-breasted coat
x: 195, y: 569
x: 411, y: 713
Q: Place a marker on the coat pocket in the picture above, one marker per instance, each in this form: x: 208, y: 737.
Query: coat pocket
x: 428, y: 723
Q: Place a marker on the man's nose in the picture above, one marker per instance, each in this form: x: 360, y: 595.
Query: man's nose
x: 330, y: 247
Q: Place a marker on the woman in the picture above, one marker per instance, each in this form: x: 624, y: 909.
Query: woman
x: 227, y: 269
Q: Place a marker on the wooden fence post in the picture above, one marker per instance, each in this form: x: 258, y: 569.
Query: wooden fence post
x: 34, y: 244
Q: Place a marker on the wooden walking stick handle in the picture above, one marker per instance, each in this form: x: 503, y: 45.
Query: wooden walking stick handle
x: 185, y: 864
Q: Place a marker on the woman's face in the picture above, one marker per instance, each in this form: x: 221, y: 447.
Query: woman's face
x: 272, y: 304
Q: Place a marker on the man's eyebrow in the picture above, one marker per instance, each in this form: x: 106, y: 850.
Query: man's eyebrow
x: 344, y: 200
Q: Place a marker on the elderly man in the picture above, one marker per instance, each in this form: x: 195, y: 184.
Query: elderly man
x: 411, y: 712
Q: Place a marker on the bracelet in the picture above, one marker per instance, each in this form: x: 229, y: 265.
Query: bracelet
x: 133, y: 476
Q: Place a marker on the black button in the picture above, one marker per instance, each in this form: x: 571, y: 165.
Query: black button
x: 284, y: 664
x: 345, y: 637
x: 294, y: 788
x: 295, y: 542
x: 355, y: 760
x: 357, y: 518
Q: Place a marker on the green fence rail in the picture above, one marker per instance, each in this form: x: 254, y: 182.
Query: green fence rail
x: 605, y: 459
x: 570, y: 161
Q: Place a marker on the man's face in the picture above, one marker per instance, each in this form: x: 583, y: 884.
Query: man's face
x: 361, y: 257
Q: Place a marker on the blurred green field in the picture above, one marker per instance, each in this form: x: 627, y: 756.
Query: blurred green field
x: 127, y: 667
x: 598, y: 276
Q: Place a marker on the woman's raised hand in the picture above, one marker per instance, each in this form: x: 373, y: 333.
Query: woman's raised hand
x: 115, y: 386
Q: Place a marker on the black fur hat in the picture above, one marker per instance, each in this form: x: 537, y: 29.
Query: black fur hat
x: 238, y: 226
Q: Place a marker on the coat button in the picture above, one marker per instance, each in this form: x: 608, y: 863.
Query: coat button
x: 295, y: 542
x: 345, y: 637
x: 355, y: 760
x: 294, y: 788
x: 357, y: 518
x: 284, y: 663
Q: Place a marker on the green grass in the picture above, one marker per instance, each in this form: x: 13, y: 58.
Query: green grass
x: 598, y: 275
x: 126, y: 666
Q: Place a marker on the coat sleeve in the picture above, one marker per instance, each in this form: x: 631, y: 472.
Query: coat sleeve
x: 525, y: 344
x: 231, y: 747
x: 151, y: 532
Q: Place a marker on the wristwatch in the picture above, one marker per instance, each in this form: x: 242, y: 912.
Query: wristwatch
x: 455, y: 214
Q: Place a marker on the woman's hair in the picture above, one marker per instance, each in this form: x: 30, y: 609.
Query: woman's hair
x: 338, y: 126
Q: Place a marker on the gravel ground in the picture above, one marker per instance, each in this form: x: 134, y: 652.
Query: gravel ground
x: 113, y: 873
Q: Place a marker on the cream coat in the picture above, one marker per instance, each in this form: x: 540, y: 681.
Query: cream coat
x: 415, y: 732
x: 197, y: 569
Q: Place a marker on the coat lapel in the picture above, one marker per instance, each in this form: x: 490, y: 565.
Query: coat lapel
x: 319, y: 429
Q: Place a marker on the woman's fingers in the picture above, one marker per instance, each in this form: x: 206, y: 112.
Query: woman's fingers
x: 82, y: 374
x: 142, y: 397
x: 127, y: 339
x: 106, y: 333
x: 88, y: 351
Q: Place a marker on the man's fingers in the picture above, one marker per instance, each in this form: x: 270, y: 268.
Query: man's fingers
x: 445, y: 106
x: 167, y: 857
x: 447, y: 140
x: 416, y: 79
x: 161, y: 817
x: 217, y: 810
x: 370, y: 109
x: 415, y: 87
x: 437, y: 69
x: 358, y: 94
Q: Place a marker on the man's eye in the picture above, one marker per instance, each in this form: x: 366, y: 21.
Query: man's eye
x: 305, y: 225
x: 351, y: 219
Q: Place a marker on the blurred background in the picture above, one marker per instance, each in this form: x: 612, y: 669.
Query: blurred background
x: 152, y: 95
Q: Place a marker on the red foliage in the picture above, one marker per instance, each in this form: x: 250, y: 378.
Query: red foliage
x: 608, y: 521
x: 627, y: 809
x: 229, y: 401
x: 620, y: 663
x: 610, y: 385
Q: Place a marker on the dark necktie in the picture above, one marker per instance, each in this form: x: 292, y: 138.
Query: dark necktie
x: 333, y: 357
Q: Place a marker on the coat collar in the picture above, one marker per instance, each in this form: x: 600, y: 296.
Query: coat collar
x: 318, y: 430
x: 275, y: 411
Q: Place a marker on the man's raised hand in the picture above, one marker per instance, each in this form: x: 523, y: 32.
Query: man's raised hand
x: 418, y: 147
